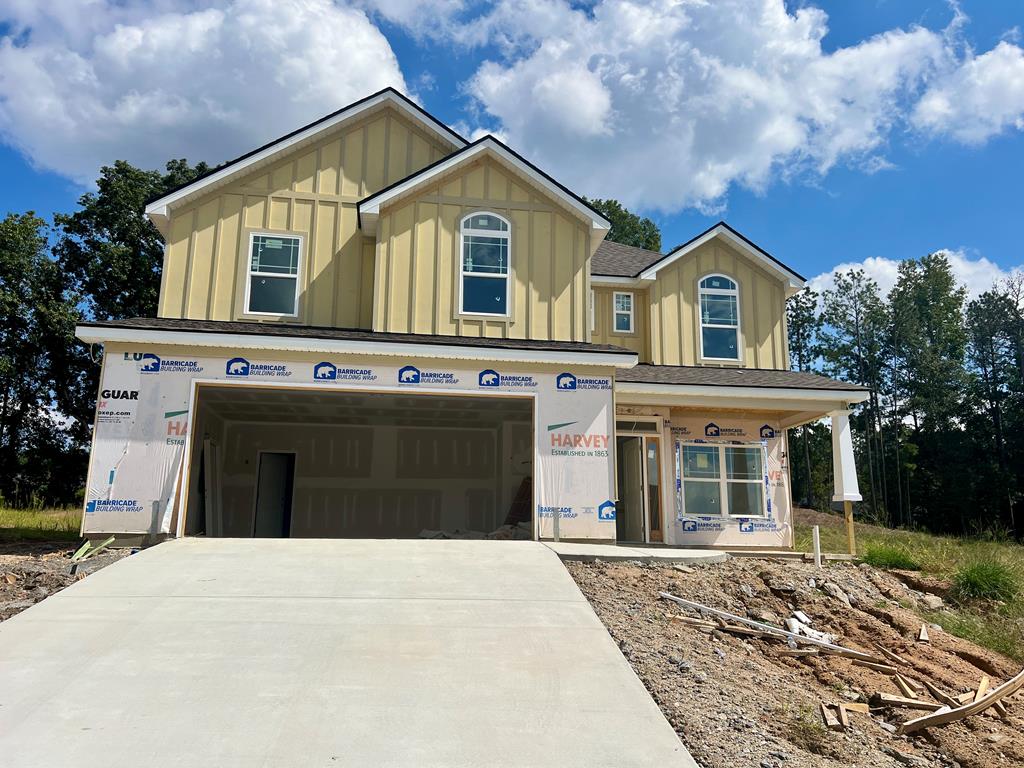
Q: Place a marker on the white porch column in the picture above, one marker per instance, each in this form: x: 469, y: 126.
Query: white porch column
x: 844, y: 472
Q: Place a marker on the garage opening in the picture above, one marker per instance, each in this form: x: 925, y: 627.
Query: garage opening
x: 332, y: 464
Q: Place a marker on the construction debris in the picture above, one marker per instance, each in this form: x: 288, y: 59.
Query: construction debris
x: 922, y: 636
x: 948, y: 715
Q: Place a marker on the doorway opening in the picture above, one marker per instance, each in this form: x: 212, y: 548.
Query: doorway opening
x: 639, y: 514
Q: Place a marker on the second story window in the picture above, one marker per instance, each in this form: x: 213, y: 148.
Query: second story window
x: 623, y: 303
x: 485, y: 272
x: 273, y: 287
x: 719, y: 318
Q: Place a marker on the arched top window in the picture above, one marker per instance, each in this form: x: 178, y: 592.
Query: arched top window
x: 719, y: 318
x: 484, y: 271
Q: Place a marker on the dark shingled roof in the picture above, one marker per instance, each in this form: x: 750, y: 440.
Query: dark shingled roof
x: 616, y: 260
x: 732, y: 377
x: 348, y: 334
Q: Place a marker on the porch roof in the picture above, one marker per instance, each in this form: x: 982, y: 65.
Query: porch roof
x: 733, y: 377
x: 795, y: 397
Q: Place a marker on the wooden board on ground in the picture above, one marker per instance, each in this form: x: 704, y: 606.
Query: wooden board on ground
x: 922, y: 636
x: 885, y: 700
x: 948, y: 715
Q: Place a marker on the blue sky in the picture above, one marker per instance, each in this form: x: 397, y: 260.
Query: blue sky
x: 898, y: 132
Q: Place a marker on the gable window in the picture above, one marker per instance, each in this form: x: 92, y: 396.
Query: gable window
x: 273, y: 287
x: 719, y: 318
x: 722, y: 480
x: 484, y: 271
x: 623, y: 303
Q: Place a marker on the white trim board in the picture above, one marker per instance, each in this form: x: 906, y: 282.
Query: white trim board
x: 159, y: 210
x: 101, y: 335
x: 793, y: 281
x: 369, y: 209
x: 739, y: 398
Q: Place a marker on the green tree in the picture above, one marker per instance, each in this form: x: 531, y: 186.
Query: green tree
x: 41, y: 455
x: 852, y: 344
x: 628, y: 228
x: 804, y: 324
x: 108, y: 246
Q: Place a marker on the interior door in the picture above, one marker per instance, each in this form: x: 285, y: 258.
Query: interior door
x: 652, y: 472
x: 629, y: 512
x: 274, y: 483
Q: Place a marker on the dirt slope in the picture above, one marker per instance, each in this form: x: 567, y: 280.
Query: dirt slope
x: 736, y: 702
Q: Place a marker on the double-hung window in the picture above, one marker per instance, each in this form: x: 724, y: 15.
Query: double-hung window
x: 623, y: 306
x: 485, y: 265
x: 724, y: 480
x: 719, y: 318
x: 273, y: 287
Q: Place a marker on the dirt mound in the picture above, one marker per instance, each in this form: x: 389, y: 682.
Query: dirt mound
x: 737, y: 701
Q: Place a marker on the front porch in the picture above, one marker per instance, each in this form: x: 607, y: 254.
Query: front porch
x: 702, y: 457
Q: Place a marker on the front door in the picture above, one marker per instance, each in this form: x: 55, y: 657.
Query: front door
x: 629, y: 512
x: 638, y: 515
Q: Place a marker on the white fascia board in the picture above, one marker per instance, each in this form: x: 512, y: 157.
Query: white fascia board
x: 369, y: 209
x: 624, y: 282
x: 91, y: 334
x: 830, y: 399
x: 793, y: 283
x: 160, y: 208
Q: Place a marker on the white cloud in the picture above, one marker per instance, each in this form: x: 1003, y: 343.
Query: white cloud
x: 85, y: 82
x: 667, y: 104
x: 976, y: 274
x: 981, y: 98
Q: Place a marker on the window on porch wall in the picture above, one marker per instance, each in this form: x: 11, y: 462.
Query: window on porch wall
x: 722, y: 480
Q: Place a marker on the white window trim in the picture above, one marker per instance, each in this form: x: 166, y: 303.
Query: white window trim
x: 723, y: 480
x: 616, y: 312
x: 593, y: 321
x: 249, y: 274
x: 507, y: 277
x: 702, y: 325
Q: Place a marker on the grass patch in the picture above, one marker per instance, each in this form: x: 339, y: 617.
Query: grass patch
x: 987, y: 580
x: 890, y: 556
x: 39, y: 524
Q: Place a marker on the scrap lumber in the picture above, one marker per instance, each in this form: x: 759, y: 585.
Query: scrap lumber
x: 922, y: 636
x: 802, y: 617
x: 884, y: 668
x: 798, y: 651
x: 80, y: 552
x: 886, y: 700
x: 98, y: 548
x: 950, y: 714
x: 904, y: 686
x: 941, y: 696
x: 983, y: 686
x: 843, y: 719
x: 890, y: 655
x: 768, y: 629
x: 856, y: 706
x: 829, y: 718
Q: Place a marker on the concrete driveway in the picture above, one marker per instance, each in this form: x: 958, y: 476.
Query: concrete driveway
x: 234, y: 652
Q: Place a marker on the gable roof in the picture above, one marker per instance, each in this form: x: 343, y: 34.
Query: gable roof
x: 618, y: 260
x: 721, y: 229
x: 369, y: 207
x: 159, y: 208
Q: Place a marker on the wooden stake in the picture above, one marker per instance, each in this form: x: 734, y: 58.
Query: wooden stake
x: 941, y: 695
x: 885, y: 700
x: 947, y: 715
x: 884, y: 668
x: 816, y: 536
x: 904, y: 687
x: 922, y: 636
x: 843, y: 720
x: 856, y: 706
x: 850, y: 536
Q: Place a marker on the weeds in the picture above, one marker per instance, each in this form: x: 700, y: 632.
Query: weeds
x: 39, y: 524
x: 807, y: 732
x: 890, y: 556
x: 986, y: 580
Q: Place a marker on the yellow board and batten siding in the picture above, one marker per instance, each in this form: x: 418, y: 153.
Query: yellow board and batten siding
x: 311, y: 193
x: 417, y: 274
x: 675, y: 310
x: 604, y: 321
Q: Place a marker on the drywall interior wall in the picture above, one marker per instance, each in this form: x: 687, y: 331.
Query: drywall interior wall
x: 375, y: 479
